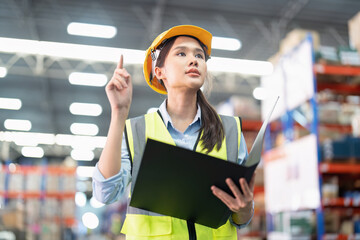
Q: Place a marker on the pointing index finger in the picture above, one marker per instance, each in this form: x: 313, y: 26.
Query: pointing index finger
x: 120, y: 64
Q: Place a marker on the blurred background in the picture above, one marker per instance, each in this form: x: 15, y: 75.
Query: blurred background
x: 56, y: 57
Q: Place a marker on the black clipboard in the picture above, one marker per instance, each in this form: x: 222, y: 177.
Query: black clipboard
x: 176, y: 182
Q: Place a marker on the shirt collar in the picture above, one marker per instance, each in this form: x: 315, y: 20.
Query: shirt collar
x: 166, y: 117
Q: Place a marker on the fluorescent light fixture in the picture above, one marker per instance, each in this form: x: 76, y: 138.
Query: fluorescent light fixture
x: 84, y: 129
x: 230, y: 44
x: 33, y: 152
x: 83, y: 171
x: 86, y: 109
x: 88, y: 142
x: 71, y: 51
x: 3, y: 72
x: 131, y: 56
x: 88, y: 79
x: 10, y: 103
x: 80, y: 199
x: 17, y: 124
x: 91, y: 30
x: 90, y: 220
x: 95, y: 203
x: 259, y: 93
x: 27, y: 138
x: 241, y: 66
x: 82, y: 155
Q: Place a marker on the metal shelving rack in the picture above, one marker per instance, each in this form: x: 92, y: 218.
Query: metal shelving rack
x: 339, y: 168
x: 287, y: 124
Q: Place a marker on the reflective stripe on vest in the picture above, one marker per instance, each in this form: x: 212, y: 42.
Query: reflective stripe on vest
x: 140, y: 222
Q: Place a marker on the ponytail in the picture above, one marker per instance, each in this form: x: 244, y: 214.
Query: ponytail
x: 211, y: 126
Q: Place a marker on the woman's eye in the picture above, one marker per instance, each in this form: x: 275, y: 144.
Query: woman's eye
x: 199, y: 56
x: 181, y: 54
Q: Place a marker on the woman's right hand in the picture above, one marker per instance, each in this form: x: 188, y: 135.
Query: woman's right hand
x: 119, y: 89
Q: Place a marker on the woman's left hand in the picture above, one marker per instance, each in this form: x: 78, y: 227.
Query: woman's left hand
x: 242, y: 202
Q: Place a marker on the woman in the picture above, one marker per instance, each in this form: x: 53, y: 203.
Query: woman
x: 175, y: 65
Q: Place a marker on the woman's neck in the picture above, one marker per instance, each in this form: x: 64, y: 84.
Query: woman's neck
x: 182, y: 109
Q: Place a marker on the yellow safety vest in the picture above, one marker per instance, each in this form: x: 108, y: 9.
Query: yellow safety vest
x: 146, y: 225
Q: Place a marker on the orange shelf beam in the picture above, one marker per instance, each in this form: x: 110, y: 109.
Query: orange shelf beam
x: 340, y: 237
x: 255, y: 125
x: 339, y: 168
x: 337, y: 69
x: 339, y: 87
x: 341, y: 128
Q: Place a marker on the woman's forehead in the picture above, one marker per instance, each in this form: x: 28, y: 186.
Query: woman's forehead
x: 186, y: 41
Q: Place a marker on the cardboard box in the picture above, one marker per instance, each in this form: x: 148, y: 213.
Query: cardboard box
x: 294, y: 38
x: 13, y: 219
x: 354, y: 32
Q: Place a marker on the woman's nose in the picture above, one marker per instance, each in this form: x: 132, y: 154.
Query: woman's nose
x: 193, y: 62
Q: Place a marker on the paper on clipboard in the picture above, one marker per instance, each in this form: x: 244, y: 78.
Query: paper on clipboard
x: 256, y: 149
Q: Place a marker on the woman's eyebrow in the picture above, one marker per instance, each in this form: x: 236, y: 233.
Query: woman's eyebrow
x: 184, y: 48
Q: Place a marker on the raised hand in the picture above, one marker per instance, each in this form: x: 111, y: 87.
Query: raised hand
x: 119, y: 89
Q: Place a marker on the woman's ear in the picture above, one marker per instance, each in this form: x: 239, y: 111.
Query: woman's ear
x: 160, y: 73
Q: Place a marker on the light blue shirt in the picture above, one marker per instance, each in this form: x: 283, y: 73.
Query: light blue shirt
x: 112, y: 189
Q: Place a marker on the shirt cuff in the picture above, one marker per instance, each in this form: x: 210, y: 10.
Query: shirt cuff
x: 111, y: 189
x: 244, y: 224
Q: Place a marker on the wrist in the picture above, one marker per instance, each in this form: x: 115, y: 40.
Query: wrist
x: 244, y: 215
x: 119, y: 113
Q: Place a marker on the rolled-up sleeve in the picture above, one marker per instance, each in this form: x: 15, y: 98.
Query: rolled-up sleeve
x: 112, y: 189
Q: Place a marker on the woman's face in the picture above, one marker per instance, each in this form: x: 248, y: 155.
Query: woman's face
x: 185, y: 67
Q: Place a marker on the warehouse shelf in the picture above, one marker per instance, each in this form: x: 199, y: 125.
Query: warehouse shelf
x: 345, y: 70
x: 52, y: 187
x: 341, y: 237
x: 342, y: 81
x: 255, y: 125
x: 340, y: 87
x: 339, y: 168
x: 346, y: 128
x: 341, y: 202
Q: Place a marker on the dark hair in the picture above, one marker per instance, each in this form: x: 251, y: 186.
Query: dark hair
x: 211, y: 126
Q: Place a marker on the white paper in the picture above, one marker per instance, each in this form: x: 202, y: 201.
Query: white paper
x: 256, y: 149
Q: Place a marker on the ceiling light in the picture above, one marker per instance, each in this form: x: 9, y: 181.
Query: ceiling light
x: 10, y: 103
x: 88, y: 79
x: 82, y: 155
x: 87, y: 109
x: 90, y: 142
x: 90, y: 220
x: 83, y: 171
x: 3, y: 72
x: 259, y: 93
x: 230, y: 44
x: 80, y: 199
x: 241, y: 66
x: 27, y: 138
x: 33, y: 152
x: 84, y: 129
x: 71, y: 51
x: 17, y: 124
x: 91, y: 30
x: 131, y: 56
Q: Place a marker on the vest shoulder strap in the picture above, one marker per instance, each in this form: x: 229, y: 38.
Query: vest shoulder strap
x: 232, y: 128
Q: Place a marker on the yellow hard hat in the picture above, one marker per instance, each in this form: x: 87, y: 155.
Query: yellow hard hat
x: 189, y: 30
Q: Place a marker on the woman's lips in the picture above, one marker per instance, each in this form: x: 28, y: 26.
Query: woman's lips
x: 193, y: 72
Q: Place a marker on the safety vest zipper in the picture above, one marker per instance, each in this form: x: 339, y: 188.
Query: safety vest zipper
x: 191, y: 229
x: 191, y: 225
